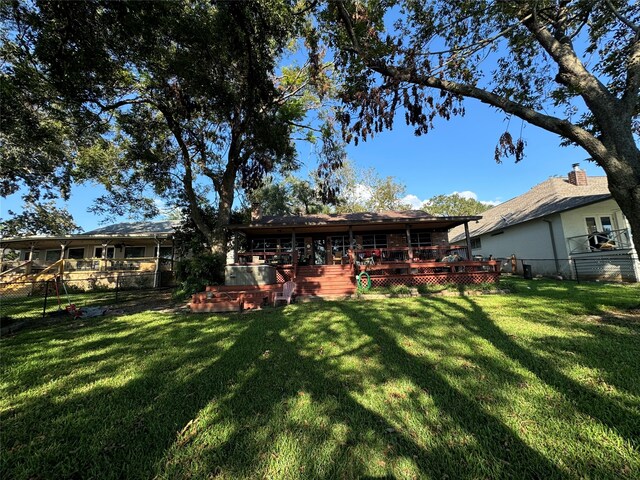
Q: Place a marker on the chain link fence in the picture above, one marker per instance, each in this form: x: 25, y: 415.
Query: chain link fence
x: 33, y: 300
x: 621, y: 267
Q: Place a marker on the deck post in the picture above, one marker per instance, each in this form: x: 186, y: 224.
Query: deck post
x: 294, y: 254
x: 235, y: 247
x: 156, y: 273
x: 2, y: 256
x: 410, y: 250
x: 103, y: 257
x: 31, y: 248
x: 350, y: 236
x: 466, y: 234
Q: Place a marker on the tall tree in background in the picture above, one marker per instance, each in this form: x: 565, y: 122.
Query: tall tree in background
x: 454, y: 205
x: 363, y: 190
x: 571, y: 67
x: 183, y: 99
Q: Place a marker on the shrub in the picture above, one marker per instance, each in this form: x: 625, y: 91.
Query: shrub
x: 399, y: 290
x: 194, y: 274
x: 427, y: 288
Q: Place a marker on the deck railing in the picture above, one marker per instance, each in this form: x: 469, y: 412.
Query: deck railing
x: 143, y: 264
x: 600, y: 241
x: 365, y: 255
x: 410, y: 254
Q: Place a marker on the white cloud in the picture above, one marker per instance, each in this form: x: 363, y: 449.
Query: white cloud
x: 360, y: 194
x: 413, y: 200
x: 467, y: 194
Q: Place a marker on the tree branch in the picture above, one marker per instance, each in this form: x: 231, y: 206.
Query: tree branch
x: 187, y: 179
x: 556, y: 125
x: 630, y: 98
x: 622, y: 18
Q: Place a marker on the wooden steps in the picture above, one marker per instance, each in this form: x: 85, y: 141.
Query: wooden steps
x: 322, y: 281
x: 325, y: 281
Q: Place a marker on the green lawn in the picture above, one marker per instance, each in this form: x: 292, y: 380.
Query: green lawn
x: 542, y: 383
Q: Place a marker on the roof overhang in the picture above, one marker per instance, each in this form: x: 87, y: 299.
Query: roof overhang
x: 337, y: 226
x: 42, y: 242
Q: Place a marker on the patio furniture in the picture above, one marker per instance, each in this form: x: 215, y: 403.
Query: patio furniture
x: 288, y: 291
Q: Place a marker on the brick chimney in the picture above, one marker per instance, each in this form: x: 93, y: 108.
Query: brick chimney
x: 578, y: 177
x: 256, y: 212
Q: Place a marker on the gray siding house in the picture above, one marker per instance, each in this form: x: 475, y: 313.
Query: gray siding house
x: 564, y: 226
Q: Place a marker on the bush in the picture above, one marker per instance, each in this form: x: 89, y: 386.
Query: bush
x: 427, y: 288
x: 194, y: 274
x: 399, y: 290
x: 508, y: 286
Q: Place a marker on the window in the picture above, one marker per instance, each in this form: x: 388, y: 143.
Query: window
x: 134, y: 252
x: 76, y: 253
x: 374, y: 241
x: 165, y: 252
x: 282, y: 244
x: 25, y: 255
x: 591, y: 225
x: 97, y: 253
x: 421, y: 239
x: 476, y: 243
x: 339, y: 245
x: 52, y: 255
x: 607, y: 226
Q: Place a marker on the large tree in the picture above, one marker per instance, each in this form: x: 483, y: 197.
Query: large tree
x: 454, y: 205
x: 571, y: 67
x: 185, y: 99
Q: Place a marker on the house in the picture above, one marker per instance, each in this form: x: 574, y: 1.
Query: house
x: 141, y: 252
x: 564, y: 226
x: 323, y: 253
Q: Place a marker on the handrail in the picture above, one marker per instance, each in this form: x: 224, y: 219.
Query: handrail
x: 24, y: 264
x: 58, y: 264
x: 599, y: 241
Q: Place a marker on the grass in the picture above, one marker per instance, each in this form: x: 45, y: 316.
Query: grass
x: 540, y: 384
x: 18, y: 308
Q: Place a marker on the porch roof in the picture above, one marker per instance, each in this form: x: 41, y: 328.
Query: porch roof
x: 129, y: 233
x: 361, y: 221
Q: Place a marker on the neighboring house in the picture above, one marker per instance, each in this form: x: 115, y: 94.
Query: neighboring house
x: 563, y: 226
x: 323, y: 253
x: 139, y: 249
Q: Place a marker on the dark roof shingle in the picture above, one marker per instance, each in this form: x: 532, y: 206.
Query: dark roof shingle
x: 551, y: 196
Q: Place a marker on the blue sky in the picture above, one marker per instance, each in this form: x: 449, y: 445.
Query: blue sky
x: 456, y: 156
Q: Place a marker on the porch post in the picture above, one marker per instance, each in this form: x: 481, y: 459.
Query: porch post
x: 235, y: 247
x: 31, y: 248
x: 156, y: 273
x: 63, y: 246
x: 294, y: 254
x: 103, y: 257
x: 410, y: 250
x: 350, y: 236
x: 466, y: 233
x: 2, y: 256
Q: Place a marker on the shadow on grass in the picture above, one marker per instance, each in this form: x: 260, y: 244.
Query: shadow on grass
x: 262, y: 395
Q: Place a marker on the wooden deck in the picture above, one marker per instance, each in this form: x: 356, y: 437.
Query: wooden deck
x: 337, y: 281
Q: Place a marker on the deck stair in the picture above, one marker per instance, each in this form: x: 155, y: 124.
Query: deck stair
x: 325, y: 281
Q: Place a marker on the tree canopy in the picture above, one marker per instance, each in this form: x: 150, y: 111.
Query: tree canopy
x: 571, y: 67
x: 454, y: 205
x: 184, y: 101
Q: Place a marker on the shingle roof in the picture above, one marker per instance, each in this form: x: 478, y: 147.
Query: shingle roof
x: 320, y: 218
x: 551, y: 196
x: 135, y: 228
x: 323, y: 219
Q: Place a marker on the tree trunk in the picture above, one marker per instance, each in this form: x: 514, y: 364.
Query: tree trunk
x: 623, y: 175
x: 225, y: 202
